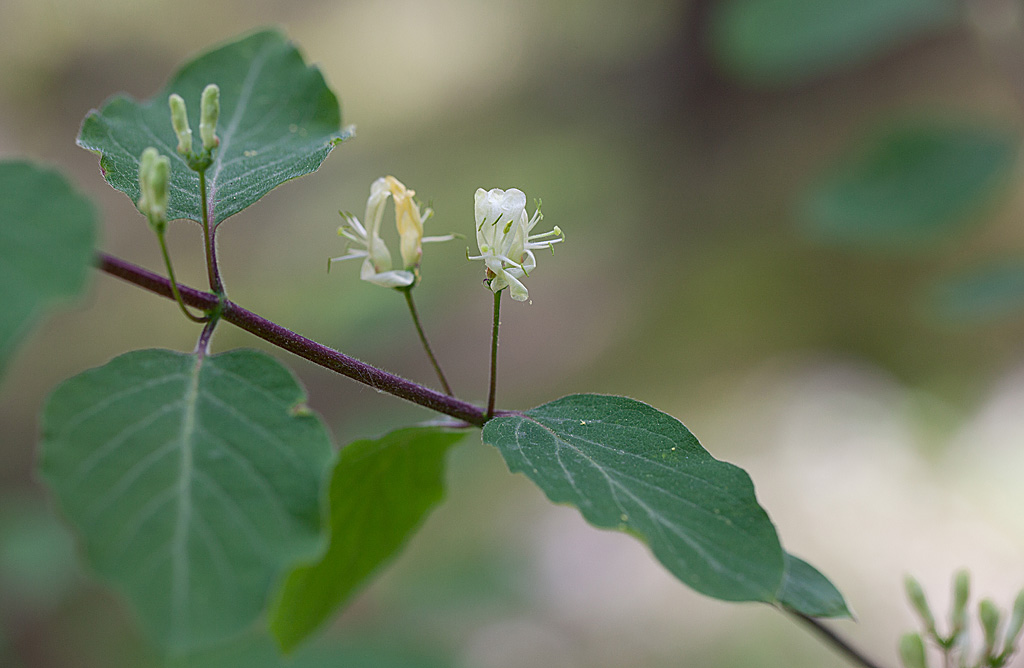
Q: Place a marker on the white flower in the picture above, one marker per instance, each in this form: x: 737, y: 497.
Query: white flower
x: 366, y: 242
x: 506, y: 245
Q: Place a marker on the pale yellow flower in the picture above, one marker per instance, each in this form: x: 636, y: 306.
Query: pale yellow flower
x: 365, y: 242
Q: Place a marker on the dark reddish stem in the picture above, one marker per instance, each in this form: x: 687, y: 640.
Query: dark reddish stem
x: 297, y: 344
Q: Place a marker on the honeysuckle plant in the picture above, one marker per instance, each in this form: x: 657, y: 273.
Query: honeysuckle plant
x: 202, y: 487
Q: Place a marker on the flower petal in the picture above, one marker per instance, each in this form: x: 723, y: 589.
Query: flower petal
x: 397, y: 278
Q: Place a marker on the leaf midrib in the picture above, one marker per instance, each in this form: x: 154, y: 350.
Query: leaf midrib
x: 229, y: 133
x: 179, y: 540
x: 660, y: 523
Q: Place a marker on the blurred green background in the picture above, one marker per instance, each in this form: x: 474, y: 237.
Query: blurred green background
x: 793, y: 224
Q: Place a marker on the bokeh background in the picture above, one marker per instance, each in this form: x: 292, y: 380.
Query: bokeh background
x: 793, y: 224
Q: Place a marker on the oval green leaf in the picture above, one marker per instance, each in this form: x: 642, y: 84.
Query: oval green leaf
x: 907, y: 186
x: 278, y: 121
x: 786, y: 42
x: 47, y: 235
x: 628, y: 466
x: 381, y: 491
x: 193, y: 483
x: 805, y: 590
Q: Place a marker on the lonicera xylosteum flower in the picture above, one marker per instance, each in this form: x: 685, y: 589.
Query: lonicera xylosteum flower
x: 365, y: 242
x: 503, y: 236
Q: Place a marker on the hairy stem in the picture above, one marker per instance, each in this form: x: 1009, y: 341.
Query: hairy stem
x: 209, y: 239
x: 838, y: 643
x: 297, y: 344
x: 174, y: 282
x: 494, y: 354
x: 426, y: 344
x: 203, y: 344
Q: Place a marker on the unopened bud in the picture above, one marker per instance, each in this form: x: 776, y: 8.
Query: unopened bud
x: 209, y: 112
x: 912, y: 651
x: 917, y: 599
x: 961, y: 592
x: 145, y: 165
x: 988, y: 614
x: 154, y: 174
x: 159, y: 177
x: 1014, y: 627
x: 179, y: 119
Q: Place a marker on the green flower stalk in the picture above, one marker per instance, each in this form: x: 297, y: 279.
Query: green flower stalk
x: 209, y: 111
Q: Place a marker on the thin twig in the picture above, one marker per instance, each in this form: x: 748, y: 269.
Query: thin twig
x: 298, y: 344
x: 837, y: 642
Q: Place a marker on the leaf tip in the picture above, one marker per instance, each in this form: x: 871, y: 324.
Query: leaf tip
x: 347, y: 132
x: 300, y: 410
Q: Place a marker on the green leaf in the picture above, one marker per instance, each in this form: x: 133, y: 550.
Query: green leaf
x: 982, y: 294
x: 193, y: 482
x: 630, y: 467
x: 47, y: 234
x: 381, y: 492
x: 908, y: 185
x: 278, y: 121
x: 256, y: 649
x: 805, y: 590
x: 38, y: 564
x: 785, y: 42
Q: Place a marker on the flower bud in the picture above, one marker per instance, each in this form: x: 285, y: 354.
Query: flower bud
x: 154, y: 174
x: 145, y: 165
x: 160, y: 174
x: 209, y: 111
x: 961, y: 592
x: 179, y: 119
x: 988, y: 613
x: 917, y: 599
x: 1016, y: 623
x: 912, y: 651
